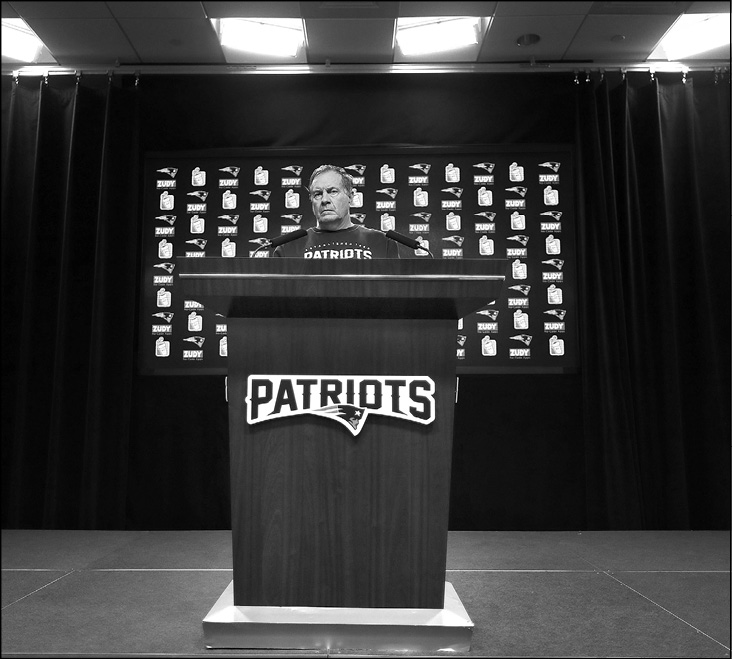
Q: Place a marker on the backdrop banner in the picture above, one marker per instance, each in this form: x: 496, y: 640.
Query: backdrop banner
x: 487, y: 202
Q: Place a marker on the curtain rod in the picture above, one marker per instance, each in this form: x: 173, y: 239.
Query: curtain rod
x: 358, y: 69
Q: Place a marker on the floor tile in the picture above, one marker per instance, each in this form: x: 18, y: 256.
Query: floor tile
x: 701, y: 599
x: 115, y: 612
x: 653, y: 550
x: 551, y: 614
x: 512, y: 550
x: 172, y: 550
x: 59, y: 550
x: 18, y: 584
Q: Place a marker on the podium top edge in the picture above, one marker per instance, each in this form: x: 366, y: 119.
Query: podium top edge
x: 250, y: 275
x: 490, y: 269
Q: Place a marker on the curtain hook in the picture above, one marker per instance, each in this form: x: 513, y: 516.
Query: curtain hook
x: 683, y: 77
x: 623, y: 72
x: 602, y: 75
x: 137, y: 78
x: 653, y: 75
x: 587, y: 76
x: 576, y: 77
x: 45, y: 79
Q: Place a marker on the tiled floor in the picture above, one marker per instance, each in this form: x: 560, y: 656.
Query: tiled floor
x: 554, y: 594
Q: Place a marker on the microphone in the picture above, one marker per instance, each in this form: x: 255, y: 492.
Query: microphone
x: 405, y: 240
x: 282, y: 240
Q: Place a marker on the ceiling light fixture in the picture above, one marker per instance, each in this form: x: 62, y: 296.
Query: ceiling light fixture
x: 528, y: 40
x: 281, y: 37
x: 19, y: 42
x: 692, y: 34
x: 418, y: 36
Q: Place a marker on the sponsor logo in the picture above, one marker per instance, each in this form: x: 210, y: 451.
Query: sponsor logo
x: 295, y: 169
x: 554, y: 166
x: 348, y: 400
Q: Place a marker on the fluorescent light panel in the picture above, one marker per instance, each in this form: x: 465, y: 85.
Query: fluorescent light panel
x: 19, y: 42
x: 279, y: 37
x: 419, y: 36
x: 692, y: 34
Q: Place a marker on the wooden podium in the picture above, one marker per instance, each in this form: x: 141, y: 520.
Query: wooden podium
x: 341, y: 390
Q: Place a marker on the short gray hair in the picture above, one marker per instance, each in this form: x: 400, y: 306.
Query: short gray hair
x: 345, y: 176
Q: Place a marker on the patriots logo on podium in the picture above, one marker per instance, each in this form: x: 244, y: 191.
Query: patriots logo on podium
x: 348, y: 400
x: 350, y: 416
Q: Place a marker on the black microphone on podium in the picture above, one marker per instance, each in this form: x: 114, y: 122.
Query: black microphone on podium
x: 282, y: 240
x: 406, y: 240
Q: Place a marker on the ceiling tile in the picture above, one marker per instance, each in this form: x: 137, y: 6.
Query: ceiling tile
x: 62, y: 9
x: 344, y: 41
x: 156, y: 9
x: 542, y: 8
x: 8, y: 11
x: 645, y: 7
x: 88, y: 42
x: 594, y: 39
x: 499, y: 44
x: 409, y: 9
x: 173, y: 40
x: 712, y: 7
x: 349, y: 9
x: 252, y: 9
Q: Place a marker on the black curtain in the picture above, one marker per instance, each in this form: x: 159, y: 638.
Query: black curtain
x: 654, y: 163
x: 638, y: 439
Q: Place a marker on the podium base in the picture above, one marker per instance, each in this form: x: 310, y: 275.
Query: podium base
x: 331, y: 628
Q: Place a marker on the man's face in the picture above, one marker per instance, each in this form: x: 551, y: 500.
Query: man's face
x: 330, y: 201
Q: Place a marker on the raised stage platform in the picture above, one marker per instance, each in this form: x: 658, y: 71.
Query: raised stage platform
x: 529, y: 594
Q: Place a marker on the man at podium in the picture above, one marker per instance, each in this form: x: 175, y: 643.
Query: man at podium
x: 335, y: 236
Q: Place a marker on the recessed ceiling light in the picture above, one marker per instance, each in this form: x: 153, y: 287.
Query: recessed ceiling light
x: 692, y: 34
x: 528, y: 40
x: 19, y: 42
x: 282, y: 37
x: 418, y: 36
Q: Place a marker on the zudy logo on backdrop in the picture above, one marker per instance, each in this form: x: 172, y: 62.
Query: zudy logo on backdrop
x: 349, y: 400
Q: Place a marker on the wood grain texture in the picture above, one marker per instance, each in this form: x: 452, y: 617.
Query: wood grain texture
x: 322, y: 518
